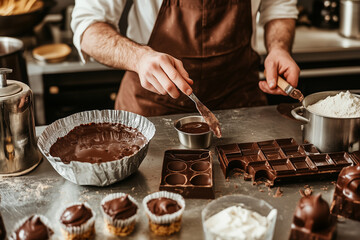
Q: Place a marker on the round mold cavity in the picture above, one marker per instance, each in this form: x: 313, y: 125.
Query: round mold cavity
x: 201, y: 180
x: 204, y: 155
x: 175, y: 179
x: 200, y: 166
x: 176, y: 166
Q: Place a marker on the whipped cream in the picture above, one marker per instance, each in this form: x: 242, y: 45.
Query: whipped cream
x: 238, y: 223
x: 342, y: 105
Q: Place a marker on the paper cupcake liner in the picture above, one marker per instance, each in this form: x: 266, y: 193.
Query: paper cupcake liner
x: 78, y: 230
x: 22, y: 221
x: 167, y: 218
x: 101, y: 174
x: 119, y: 222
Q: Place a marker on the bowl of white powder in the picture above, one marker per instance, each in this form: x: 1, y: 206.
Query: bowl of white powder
x: 340, y: 105
x: 331, y: 120
x: 238, y: 217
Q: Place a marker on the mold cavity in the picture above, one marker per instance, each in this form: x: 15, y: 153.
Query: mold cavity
x: 176, y: 166
x: 175, y: 179
x: 200, y: 166
x: 201, y: 180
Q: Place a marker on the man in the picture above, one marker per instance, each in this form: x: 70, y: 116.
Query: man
x: 175, y: 46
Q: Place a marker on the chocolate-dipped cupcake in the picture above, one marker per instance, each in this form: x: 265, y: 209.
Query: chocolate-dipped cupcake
x: 77, y: 221
x: 35, y: 227
x: 120, y: 213
x: 164, y: 210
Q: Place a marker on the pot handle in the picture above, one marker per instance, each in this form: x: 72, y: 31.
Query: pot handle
x: 295, y: 114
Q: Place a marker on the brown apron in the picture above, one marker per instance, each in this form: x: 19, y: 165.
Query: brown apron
x: 213, y: 40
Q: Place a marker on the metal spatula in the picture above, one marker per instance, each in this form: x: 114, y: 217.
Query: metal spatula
x: 208, y: 116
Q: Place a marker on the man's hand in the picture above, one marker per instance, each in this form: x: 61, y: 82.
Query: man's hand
x: 279, y: 35
x: 163, y: 74
x: 158, y: 72
x: 278, y: 62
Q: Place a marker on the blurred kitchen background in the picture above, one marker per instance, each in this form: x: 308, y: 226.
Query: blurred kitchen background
x: 326, y: 48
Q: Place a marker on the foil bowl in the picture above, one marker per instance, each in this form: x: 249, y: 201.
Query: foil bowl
x: 102, y: 174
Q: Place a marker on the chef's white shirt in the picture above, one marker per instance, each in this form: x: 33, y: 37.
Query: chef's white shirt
x: 143, y: 14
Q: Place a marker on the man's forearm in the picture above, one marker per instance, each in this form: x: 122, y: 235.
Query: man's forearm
x: 279, y: 33
x: 102, y: 42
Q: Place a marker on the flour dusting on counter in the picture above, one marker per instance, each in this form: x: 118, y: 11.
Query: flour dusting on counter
x: 342, y: 105
x: 238, y: 222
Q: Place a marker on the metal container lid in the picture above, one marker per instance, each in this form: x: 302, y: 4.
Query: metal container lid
x: 5, y: 88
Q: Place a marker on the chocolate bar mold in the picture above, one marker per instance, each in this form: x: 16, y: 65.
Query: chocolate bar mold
x: 188, y: 172
x: 281, y: 159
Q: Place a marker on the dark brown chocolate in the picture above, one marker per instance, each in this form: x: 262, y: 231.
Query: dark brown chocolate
x: 162, y: 206
x: 2, y: 229
x: 346, y: 201
x: 120, y: 208
x: 189, y: 173
x: 281, y: 160
x: 33, y: 229
x: 97, y: 143
x: 75, y: 215
x: 195, y: 127
x: 312, y: 220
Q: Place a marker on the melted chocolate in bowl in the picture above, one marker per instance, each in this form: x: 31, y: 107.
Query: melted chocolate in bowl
x: 195, y: 127
x: 98, y: 142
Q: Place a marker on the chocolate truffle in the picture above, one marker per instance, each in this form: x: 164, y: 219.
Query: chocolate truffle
x: 162, y: 206
x: 33, y: 229
x: 312, y: 220
x: 346, y: 201
x: 2, y: 229
x: 120, y: 208
x: 195, y: 127
x: 98, y: 142
x: 76, y: 215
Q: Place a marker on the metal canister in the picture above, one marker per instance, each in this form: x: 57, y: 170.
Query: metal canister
x: 18, y: 150
x: 350, y: 18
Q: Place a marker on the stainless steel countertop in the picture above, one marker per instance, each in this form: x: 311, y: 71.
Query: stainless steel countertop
x: 43, y: 191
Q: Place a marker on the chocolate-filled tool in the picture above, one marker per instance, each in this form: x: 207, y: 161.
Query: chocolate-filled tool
x: 346, y: 201
x: 288, y: 89
x: 209, y: 117
x: 282, y: 160
x: 193, y: 132
x: 188, y: 173
x: 312, y: 220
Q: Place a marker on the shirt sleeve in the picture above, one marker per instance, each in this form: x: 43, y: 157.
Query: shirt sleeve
x: 87, y: 12
x: 277, y: 9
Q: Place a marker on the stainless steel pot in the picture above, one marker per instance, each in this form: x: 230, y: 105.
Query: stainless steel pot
x: 11, y: 56
x: 350, y: 18
x: 18, y: 151
x: 326, y: 133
